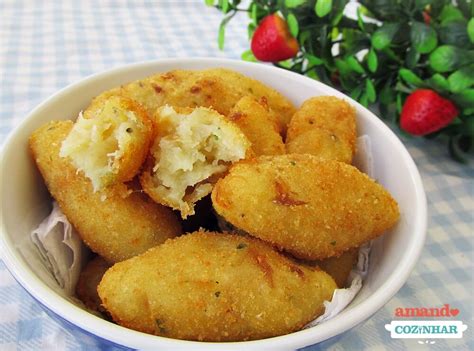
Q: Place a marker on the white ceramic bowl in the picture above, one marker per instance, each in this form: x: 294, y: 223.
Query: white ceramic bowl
x: 25, y: 203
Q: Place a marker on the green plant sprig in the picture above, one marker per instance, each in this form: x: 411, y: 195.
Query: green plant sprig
x: 379, y: 56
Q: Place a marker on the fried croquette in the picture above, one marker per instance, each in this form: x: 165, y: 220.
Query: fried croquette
x: 324, y: 126
x: 218, y: 88
x: 111, y: 145
x: 310, y: 208
x: 113, y: 222
x: 214, y: 287
x: 258, y: 123
x: 154, y: 91
x: 243, y: 85
x: 89, y: 279
x: 193, y: 148
x: 320, y: 143
x: 340, y: 267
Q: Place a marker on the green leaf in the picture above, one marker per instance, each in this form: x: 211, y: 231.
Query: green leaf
x: 221, y: 35
x: 387, y: 94
x: 323, y: 7
x: 447, y: 58
x: 455, y: 33
x: 392, y: 55
x: 468, y: 110
x: 439, y: 83
x: 297, y: 66
x: 412, y: 57
x: 294, y: 3
x: 224, y: 5
x: 384, y: 35
x: 384, y: 10
x: 370, y: 90
x: 286, y: 64
x: 470, y: 30
x: 314, y: 60
x: 221, y: 32
x: 423, y: 37
x: 360, y: 21
x: 304, y: 36
x: 354, y: 41
x: 292, y: 24
x: 355, y: 93
x: 250, y: 30
x: 444, y: 58
x: 364, y: 11
x: 337, y: 18
x: 464, y: 98
x: 343, y: 68
x: 323, y: 37
x: 399, y: 103
x: 450, y: 13
x: 346, y: 82
x: 410, y: 77
x: 363, y: 100
x: 372, y: 61
x: 312, y: 74
x: 253, y: 14
x: 248, y: 56
x: 209, y: 2
x: 461, y: 79
x: 400, y: 87
x: 355, y: 65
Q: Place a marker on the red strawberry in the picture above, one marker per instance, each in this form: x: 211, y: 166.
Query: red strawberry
x: 426, y: 17
x: 272, y: 40
x: 425, y: 112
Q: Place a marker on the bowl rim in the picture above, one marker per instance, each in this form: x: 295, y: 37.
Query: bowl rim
x: 131, y: 338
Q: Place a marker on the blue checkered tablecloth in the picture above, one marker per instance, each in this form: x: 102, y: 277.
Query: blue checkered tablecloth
x: 46, y: 45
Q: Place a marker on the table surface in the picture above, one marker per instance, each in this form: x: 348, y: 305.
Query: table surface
x: 46, y: 45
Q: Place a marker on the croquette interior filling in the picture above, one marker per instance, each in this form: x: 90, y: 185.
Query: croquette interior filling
x: 194, y: 147
x: 95, y: 145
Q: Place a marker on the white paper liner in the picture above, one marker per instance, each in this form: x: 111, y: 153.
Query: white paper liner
x: 343, y: 297
x: 62, y: 250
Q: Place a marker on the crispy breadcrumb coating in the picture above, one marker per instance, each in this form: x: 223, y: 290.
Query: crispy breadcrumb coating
x: 115, y: 222
x: 310, y: 208
x: 214, y: 287
x: 324, y: 126
x: 259, y: 125
x: 218, y: 88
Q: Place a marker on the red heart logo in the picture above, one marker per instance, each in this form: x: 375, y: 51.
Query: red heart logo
x: 454, y: 312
